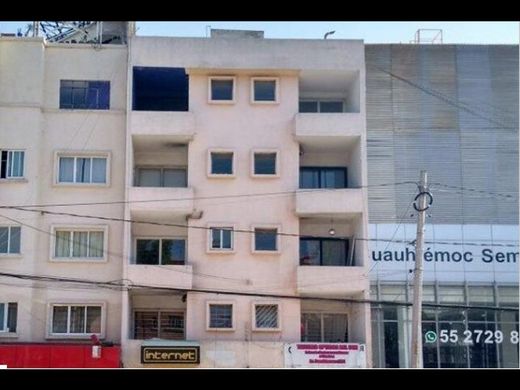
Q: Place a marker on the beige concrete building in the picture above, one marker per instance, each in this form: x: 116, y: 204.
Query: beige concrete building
x: 241, y: 162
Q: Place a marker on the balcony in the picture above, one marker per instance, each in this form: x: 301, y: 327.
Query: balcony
x: 158, y: 202
x: 175, y: 276
x: 325, y: 202
x: 331, y: 281
x: 162, y: 126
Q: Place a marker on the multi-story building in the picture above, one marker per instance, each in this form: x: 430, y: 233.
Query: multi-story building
x: 451, y: 110
x: 239, y: 166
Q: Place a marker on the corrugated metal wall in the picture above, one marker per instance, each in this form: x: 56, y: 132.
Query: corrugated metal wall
x: 449, y: 109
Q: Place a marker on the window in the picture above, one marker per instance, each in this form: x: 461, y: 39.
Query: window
x: 8, y: 317
x: 12, y: 164
x: 88, y: 170
x: 323, y: 177
x: 265, y: 163
x: 160, y: 89
x: 220, y: 316
x: 327, y: 106
x: 264, y: 90
x: 160, y: 251
x: 10, y: 239
x: 159, y: 324
x: 161, y: 177
x: 324, y: 251
x: 266, y: 239
x: 221, y: 238
x: 266, y: 317
x: 79, y: 94
x: 76, y: 319
x: 325, y: 327
x: 86, y: 244
x: 221, y: 163
x: 222, y: 89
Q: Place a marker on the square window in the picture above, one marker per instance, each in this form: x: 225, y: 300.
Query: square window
x: 266, y: 316
x: 265, y: 163
x: 220, y: 316
x: 265, y: 239
x: 222, y: 238
x: 173, y: 251
x: 221, y: 163
x: 10, y: 239
x: 147, y: 252
x: 308, y: 106
x: 222, y: 89
x: 264, y: 90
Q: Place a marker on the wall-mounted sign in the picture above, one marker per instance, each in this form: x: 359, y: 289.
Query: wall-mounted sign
x: 170, y: 355
x: 344, y: 355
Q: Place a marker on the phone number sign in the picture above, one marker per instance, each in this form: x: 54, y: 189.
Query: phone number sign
x: 471, y: 336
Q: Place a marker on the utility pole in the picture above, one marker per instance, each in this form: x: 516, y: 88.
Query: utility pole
x: 416, y: 355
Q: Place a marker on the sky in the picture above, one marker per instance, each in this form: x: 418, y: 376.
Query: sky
x: 370, y: 32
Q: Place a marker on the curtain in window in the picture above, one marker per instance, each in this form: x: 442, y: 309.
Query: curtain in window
x: 16, y: 164
x: 77, y: 319
x: 66, y: 170
x: 174, y: 178
x: 62, y: 246
x: 99, y: 169
x: 14, y: 246
x: 96, y: 244
x: 93, y: 319
x: 59, y: 319
x: 83, y: 170
x: 80, y: 244
x: 149, y: 177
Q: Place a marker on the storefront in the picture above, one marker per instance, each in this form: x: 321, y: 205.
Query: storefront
x: 484, y: 275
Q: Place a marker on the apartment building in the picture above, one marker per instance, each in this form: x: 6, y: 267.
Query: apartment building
x: 239, y: 166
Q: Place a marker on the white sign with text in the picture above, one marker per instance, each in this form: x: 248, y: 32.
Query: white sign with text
x: 316, y: 355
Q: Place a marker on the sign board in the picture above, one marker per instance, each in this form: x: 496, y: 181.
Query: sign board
x: 170, y: 355
x: 452, y: 253
x: 316, y: 355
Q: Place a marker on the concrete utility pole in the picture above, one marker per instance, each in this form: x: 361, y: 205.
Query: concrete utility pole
x: 416, y: 355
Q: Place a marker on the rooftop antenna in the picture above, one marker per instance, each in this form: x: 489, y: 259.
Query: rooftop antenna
x: 328, y: 33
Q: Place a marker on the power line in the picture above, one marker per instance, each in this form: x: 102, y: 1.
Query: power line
x: 124, y: 286
x: 178, y: 225
x: 475, y: 190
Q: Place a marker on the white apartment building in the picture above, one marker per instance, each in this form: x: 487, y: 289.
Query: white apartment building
x: 239, y: 166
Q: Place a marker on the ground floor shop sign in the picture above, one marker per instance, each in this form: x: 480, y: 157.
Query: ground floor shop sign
x: 170, y: 355
x: 340, y: 355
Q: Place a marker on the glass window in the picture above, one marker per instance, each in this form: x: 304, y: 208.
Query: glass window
x: 93, y: 319
x: 310, y: 253
x: 334, y: 252
x: 265, y: 239
x: 10, y: 239
x: 324, y: 327
x: 66, y: 168
x: 265, y: 163
x: 82, y: 170
x: 160, y: 251
x: 76, y: 319
x: 331, y: 106
x: 222, y: 238
x: 222, y: 89
x: 149, y: 177
x: 78, y: 94
x: 85, y: 244
x: 220, y: 316
x: 323, y: 177
x: 12, y: 164
x: 221, y: 163
x: 325, y: 252
x: 174, y: 177
x: 308, y: 106
x: 508, y: 296
x: 265, y: 90
x: 173, y: 251
x: 159, y: 324
x: 147, y: 252
x: 3, y: 317
x: 266, y: 316
x: 60, y: 319
x: 99, y: 170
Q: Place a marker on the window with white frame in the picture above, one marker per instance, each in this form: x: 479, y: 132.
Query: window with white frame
x: 265, y: 239
x: 10, y: 240
x: 12, y: 164
x: 220, y: 316
x: 8, y: 317
x: 76, y: 319
x: 79, y: 243
x: 221, y: 89
x: 167, y: 324
x: 264, y: 90
x: 82, y: 169
x: 160, y: 251
x: 265, y: 163
x: 221, y: 238
x: 221, y: 163
x: 266, y: 316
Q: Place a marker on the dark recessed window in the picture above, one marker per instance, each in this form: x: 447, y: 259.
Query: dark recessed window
x: 326, y: 106
x: 158, y: 324
x: 222, y: 89
x: 220, y: 316
x: 160, y: 89
x: 265, y: 239
x: 160, y: 251
x: 79, y: 94
x: 323, y: 177
x: 8, y: 316
x: 324, y: 251
x: 331, y: 106
x: 308, y: 106
x: 265, y: 164
x: 161, y: 177
x: 264, y: 90
x: 221, y: 163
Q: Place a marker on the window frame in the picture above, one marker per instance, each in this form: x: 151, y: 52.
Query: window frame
x: 221, y: 175
x: 208, y: 316
x: 321, y: 240
x: 86, y: 93
x: 8, y: 253
x: 78, y: 228
x: 278, y: 305
x: 210, y: 90
x: 220, y: 225
x: 276, y: 152
x: 322, y: 323
x: 161, y: 238
x: 159, y: 312
x: 276, y: 92
x: 8, y: 168
x: 80, y: 154
x: 50, y: 315
x: 278, y: 239
x: 162, y: 168
x: 320, y: 173
x: 319, y: 101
